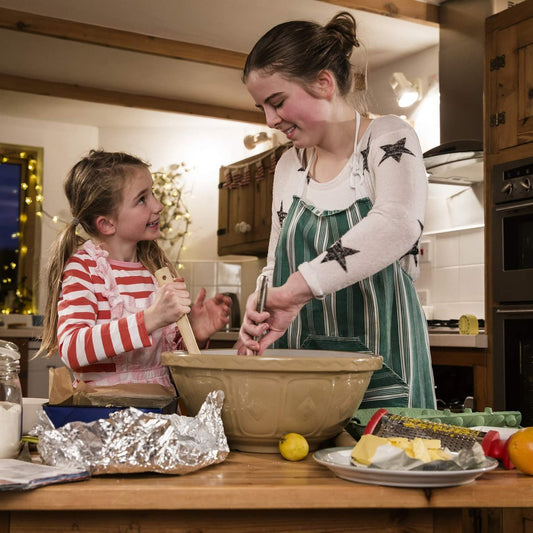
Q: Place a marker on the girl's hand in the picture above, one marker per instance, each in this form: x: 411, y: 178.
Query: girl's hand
x: 209, y: 316
x: 172, y: 301
x: 281, y: 307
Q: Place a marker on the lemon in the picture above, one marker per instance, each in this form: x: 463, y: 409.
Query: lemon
x: 293, y: 447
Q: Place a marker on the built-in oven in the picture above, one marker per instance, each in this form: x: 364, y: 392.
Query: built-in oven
x: 513, y: 232
x: 513, y: 360
x: 512, y: 287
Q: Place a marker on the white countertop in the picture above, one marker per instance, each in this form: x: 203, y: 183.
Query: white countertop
x: 458, y: 341
x: 435, y: 339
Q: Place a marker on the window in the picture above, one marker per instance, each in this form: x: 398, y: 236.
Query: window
x: 20, y: 227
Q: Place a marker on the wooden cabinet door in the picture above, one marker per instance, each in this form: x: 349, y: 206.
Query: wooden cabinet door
x: 235, y: 216
x: 245, y: 204
x: 509, y: 58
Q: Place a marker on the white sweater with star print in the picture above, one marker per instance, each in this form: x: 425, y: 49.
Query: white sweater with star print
x: 392, y: 175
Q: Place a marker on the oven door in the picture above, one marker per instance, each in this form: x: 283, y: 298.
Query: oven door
x: 513, y: 360
x: 513, y: 252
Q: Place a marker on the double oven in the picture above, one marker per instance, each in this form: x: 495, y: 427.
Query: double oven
x: 512, y: 287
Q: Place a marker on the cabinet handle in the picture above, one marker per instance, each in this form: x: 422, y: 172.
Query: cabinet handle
x: 243, y: 227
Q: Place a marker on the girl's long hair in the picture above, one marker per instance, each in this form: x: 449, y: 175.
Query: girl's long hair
x: 93, y: 188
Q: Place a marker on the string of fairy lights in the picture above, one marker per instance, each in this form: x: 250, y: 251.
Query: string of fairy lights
x: 17, y: 278
x: 175, y: 219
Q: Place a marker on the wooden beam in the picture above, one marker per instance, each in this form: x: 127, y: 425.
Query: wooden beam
x: 411, y: 10
x: 124, y: 40
x: 103, y: 96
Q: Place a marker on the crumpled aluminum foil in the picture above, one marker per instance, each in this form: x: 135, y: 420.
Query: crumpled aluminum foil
x: 131, y: 441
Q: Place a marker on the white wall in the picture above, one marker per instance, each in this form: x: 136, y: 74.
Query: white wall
x: 452, y: 282
x: 205, y: 146
x: 424, y: 115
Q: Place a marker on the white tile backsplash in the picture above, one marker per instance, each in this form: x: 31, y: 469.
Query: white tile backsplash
x: 455, y: 278
x: 229, y: 274
x: 447, y: 287
x: 232, y: 275
x: 446, y: 250
x: 471, y: 283
x: 471, y: 247
x: 205, y: 273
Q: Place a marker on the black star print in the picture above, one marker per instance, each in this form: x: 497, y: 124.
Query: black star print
x: 338, y: 253
x: 395, y: 151
x: 414, y: 250
x: 281, y: 214
x: 365, y: 153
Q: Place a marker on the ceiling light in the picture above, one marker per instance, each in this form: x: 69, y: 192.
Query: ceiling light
x: 407, y: 93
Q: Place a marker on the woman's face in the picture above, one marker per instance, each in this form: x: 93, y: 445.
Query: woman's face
x: 288, y: 107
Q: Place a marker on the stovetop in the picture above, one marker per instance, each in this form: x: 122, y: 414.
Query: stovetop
x: 449, y: 325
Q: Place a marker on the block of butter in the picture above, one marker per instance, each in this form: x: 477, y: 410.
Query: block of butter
x: 425, y: 450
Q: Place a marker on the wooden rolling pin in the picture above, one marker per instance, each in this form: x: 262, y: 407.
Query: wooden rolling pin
x: 164, y: 276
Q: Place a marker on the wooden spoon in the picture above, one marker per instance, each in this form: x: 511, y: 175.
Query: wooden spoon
x: 164, y: 276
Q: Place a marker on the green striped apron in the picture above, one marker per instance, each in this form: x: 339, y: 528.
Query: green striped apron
x: 380, y: 314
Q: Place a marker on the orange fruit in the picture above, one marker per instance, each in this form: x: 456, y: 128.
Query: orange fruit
x: 521, y: 450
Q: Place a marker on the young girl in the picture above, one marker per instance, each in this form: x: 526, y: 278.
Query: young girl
x: 105, y: 312
x: 348, y: 211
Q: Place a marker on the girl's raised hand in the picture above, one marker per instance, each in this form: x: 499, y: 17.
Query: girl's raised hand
x: 208, y: 316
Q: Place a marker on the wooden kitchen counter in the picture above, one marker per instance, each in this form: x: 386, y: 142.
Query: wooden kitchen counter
x: 260, y: 492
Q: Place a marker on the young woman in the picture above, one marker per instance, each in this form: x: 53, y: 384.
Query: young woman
x: 105, y: 312
x: 348, y: 211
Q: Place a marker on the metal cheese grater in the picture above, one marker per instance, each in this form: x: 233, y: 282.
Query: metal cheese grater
x: 455, y: 438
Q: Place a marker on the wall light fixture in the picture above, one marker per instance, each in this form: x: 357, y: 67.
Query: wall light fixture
x: 251, y: 141
x: 407, y: 93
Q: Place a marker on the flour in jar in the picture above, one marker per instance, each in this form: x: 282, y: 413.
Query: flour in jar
x: 10, y: 422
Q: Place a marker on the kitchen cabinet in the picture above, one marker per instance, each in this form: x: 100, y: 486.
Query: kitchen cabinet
x: 245, y: 203
x: 509, y: 78
x: 508, y: 135
x: 475, y: 359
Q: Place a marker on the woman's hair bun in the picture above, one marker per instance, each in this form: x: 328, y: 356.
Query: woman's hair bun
x: 344, y: 27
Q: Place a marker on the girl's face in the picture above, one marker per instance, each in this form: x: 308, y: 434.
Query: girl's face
x: 288, y: 107
x: 137, y: 218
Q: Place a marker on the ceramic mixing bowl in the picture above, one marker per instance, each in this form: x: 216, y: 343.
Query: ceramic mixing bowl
x: 313, y: 393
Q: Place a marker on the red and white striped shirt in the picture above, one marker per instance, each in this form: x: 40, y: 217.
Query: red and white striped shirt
x: 101, y: 332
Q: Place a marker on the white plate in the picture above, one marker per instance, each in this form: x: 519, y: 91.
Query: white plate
x: 338, y: 461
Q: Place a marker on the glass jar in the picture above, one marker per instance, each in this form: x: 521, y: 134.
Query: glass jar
x: 10, y: 400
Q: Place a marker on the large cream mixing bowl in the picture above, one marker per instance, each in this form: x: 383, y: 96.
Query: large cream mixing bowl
x: 310, y: 392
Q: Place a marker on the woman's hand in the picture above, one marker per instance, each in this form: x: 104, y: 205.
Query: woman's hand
x: 208, y: 316
x: 172, y: 301
x: 281, y: 307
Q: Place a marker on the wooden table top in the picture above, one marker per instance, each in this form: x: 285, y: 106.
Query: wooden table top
x: 265, y: 481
